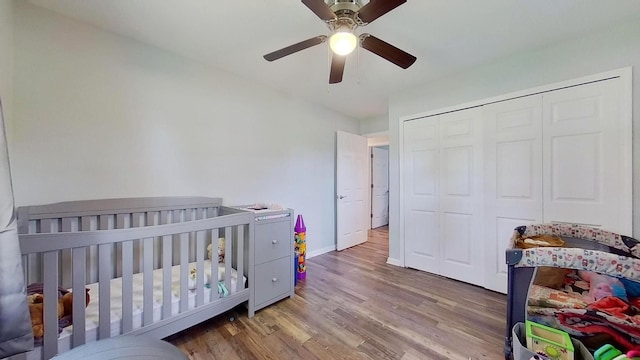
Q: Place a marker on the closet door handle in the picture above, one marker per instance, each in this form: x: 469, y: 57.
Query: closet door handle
x: 341, y: 197
x: 274, y: 242
x: 274, y: 279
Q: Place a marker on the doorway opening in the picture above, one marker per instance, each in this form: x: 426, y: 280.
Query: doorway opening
x: 378, y: 208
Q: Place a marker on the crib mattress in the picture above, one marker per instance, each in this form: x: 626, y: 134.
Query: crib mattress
x: 92, y: 310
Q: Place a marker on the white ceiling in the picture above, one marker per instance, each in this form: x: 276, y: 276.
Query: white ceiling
x: 445, y: 35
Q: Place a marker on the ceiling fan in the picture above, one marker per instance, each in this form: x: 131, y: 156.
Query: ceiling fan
x: 343, y: 17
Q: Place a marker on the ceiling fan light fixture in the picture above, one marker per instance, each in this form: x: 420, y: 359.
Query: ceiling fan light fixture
x: 343, y: 42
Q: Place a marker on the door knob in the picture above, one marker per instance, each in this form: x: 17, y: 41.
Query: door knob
x: 341, y: 197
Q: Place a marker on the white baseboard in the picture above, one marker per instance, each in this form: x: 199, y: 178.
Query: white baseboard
x: 392, y: 261
x: 325, y: 250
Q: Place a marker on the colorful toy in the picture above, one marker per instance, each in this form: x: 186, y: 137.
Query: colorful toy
x: 301, y: 247
x: 549, y: 342
x: 601, y: 286
x: 608, y: 352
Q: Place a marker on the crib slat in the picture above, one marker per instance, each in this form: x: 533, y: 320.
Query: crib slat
x: 176, y: 217
x: 184, y: 272
x: 46, y: 226
x: 215, y: 235
x: 85, y: 225
x: 66, y: 257
x: 150, y: 221
x: 121, y: 222
x: 79, y: 256
x: 127, y: 286
x: 104, y: 277
x: 200, y: 248
x: 147, y: 284
x: 50, y: 264
x: 229, y: 238
x: 240, y: 258
x: 167, y: 250
x: 136, y: 220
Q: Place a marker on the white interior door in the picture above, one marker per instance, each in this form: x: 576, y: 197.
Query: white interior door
x: 460, y: 195
x: 352, y: 186
x: 421, y: 172
x: 583, y: 155
x: 380, y: 187
x: 513, y: 178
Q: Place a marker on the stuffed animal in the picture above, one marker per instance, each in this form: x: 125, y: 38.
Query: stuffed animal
x: 221, y: 250
x: 601, y: 286
x: 36, y: 310
x: 67, y: 302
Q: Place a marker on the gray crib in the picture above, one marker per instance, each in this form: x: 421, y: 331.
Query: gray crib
x: 144, y: 261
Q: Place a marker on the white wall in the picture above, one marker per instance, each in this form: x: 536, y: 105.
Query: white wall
x: 98, y: 115
x: 374, y: 125
x: 6, y: 63
x: 615, y: 48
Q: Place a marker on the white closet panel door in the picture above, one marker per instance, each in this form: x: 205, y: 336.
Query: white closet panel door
x: 460, y: 190
x: 421, y: 229
x: 581, y: 155
x: 513, y: 178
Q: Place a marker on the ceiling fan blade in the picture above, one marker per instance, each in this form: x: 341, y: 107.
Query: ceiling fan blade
x: 376, y: 8
x: 337, y: 68
x: 320, y: 8
x: 387, y: 51
x: 295, y: 48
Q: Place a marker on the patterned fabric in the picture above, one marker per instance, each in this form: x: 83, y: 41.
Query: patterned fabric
x: 551, y: 298
x: 582, y: 259
x: 583, y: 324
x: 607, y: 320
x: 621, y: 242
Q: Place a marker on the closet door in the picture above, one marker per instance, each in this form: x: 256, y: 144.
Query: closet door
x: 513, y: 178
x: 584, y: 156
x: 460, y: 194
x: 421, y: 229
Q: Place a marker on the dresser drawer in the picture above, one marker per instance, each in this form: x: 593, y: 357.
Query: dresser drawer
x: 273, y: 241
x: 273, y: 279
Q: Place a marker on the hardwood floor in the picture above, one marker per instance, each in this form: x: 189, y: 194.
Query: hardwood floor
x: 355, y: 306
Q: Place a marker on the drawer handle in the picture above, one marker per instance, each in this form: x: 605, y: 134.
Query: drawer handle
x: 274, y: 279
x: 274, y: 242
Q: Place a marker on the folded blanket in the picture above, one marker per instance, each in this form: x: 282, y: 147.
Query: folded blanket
x: 611, y: 305
x: 552, y: 298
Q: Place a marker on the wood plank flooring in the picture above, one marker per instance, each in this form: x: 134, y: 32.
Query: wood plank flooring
x: 355, y: 306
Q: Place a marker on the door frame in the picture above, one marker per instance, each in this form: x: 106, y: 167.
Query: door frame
x: 371, y: 170
x: 626, y: 77
x: 379, y: 138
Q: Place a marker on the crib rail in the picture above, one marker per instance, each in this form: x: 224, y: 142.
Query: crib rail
x: 159, y: 240
x: 108, y: 214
